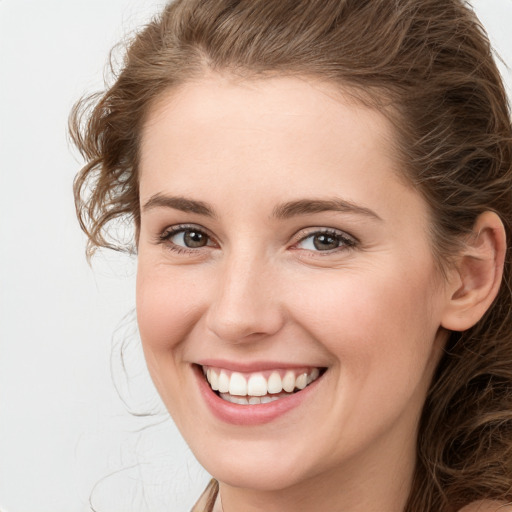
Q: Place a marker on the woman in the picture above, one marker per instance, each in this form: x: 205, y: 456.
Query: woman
x: 321, y: 198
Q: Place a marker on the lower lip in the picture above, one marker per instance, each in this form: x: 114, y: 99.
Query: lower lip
x: 247, y: 415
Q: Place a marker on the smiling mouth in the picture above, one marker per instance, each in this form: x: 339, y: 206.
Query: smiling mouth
x: 259, y: 387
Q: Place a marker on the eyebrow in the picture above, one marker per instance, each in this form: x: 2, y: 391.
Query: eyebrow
x: 282, y: 211
x: 310, y: 206
x: 178, y: 203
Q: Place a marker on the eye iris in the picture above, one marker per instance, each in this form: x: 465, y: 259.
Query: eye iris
x: 324, y: 242
x: 195, y: 239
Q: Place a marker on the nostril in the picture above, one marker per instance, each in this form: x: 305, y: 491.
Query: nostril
x: 245, y: 329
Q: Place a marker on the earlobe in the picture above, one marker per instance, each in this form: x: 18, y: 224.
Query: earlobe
x: 477, y: 274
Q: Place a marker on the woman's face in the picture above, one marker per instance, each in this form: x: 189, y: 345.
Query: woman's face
x: 279, y: 246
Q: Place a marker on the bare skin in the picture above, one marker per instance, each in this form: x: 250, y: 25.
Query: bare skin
x: 276, y: 230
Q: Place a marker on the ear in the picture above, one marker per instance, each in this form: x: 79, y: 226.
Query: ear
x: 476, y: 277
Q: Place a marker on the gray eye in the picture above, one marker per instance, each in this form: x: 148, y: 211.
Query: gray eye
x: 325, y: 242
x: 190, y: 238
x: 195, y: 239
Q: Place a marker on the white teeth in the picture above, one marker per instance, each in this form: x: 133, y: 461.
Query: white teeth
x: 257, y: 385
x: 313, y: 375
x: 223, y: 382
x: 256, y: 389
x: 213, y: 379
x: 301, y: 381
x: 254, y: 400
x: 234, y: 399
x: 237, y: 384
x: 275, y: 384
x: 289, y: 382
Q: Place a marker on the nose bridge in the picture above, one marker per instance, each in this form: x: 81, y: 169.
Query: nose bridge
x: 245, y: 304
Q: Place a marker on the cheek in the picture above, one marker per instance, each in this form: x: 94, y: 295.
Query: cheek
x: 168, y: 305
x: 374, y: 322
x: 380, y: 333
x: 168, y: 308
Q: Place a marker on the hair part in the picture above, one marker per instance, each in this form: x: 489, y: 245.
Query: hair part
x: 425, y: 64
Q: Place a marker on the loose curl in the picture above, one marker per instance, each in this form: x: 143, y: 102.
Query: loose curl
x: 425, y: 64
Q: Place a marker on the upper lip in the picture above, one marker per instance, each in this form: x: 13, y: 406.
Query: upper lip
x: 253, y: 366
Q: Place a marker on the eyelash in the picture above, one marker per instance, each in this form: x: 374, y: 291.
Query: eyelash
x: 345, y: 241
x: 168, y: 233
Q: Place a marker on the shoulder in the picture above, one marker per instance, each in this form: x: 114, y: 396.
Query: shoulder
x: 487, y: 506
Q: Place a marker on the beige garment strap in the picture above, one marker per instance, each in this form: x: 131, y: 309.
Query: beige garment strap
x: 207, y: 500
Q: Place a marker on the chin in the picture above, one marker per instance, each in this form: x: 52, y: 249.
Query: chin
x: 268, y: 475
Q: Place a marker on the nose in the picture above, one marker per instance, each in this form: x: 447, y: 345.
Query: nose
x: 246, y: 306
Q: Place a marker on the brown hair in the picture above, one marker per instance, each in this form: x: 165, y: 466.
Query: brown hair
x: 427, y: 64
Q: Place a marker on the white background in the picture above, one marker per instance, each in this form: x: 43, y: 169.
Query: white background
x: 63, y: 427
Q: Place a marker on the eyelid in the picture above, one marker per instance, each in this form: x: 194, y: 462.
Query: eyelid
x: 349, y: 240
x: 167, y: 233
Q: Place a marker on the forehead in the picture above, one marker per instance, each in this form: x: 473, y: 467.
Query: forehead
x: 274, y: 104
x: 278, y: 139
x: 295, y: 119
